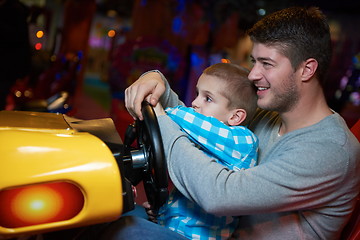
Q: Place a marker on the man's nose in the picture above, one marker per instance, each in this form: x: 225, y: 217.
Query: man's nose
x: 254, y: 74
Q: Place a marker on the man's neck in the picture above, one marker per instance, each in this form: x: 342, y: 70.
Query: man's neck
x: 304, y: 114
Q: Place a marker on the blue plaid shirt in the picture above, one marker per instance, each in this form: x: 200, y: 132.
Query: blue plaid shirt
x: 235, y: 147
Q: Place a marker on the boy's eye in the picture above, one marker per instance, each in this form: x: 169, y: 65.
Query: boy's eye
x: 208, y: 99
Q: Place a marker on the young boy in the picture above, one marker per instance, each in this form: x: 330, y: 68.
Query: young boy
x: 216, y: 123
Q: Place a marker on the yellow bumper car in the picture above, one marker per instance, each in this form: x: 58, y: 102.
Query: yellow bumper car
x: 58, y: 172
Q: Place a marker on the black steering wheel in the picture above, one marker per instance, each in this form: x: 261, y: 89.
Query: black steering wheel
x: 148, y: 157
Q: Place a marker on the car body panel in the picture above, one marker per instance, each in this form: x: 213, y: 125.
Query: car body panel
x: 43, y: 150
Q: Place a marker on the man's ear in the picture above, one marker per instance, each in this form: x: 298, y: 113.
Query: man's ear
x: 309, y: 69
x: 237, y: 116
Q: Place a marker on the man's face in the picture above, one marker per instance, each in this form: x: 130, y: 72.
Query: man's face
x: 209, y: 100
x: 275, y: 79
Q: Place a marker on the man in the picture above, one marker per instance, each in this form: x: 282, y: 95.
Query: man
x: 306, y: 183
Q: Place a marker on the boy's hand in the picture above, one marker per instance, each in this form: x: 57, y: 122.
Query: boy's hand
x: 151, y: 214
x: 159, y: 110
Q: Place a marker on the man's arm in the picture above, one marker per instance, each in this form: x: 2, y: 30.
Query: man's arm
x: 274, y: 186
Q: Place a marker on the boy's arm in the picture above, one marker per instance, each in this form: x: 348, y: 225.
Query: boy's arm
x: 234, y: 147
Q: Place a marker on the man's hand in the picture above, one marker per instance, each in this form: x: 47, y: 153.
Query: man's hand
x: 149, y: 87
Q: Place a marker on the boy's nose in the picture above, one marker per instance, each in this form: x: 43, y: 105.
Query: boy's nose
x: 194, y: 103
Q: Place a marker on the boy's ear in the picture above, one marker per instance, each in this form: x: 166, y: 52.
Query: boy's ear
x: 237, y: 117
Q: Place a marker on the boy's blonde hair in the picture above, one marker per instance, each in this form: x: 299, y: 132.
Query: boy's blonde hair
x: 239, y: 90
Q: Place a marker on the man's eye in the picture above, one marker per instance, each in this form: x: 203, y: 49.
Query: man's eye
x: 266, y: 64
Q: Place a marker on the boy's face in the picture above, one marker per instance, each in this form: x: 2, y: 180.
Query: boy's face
x: 210, y: 101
